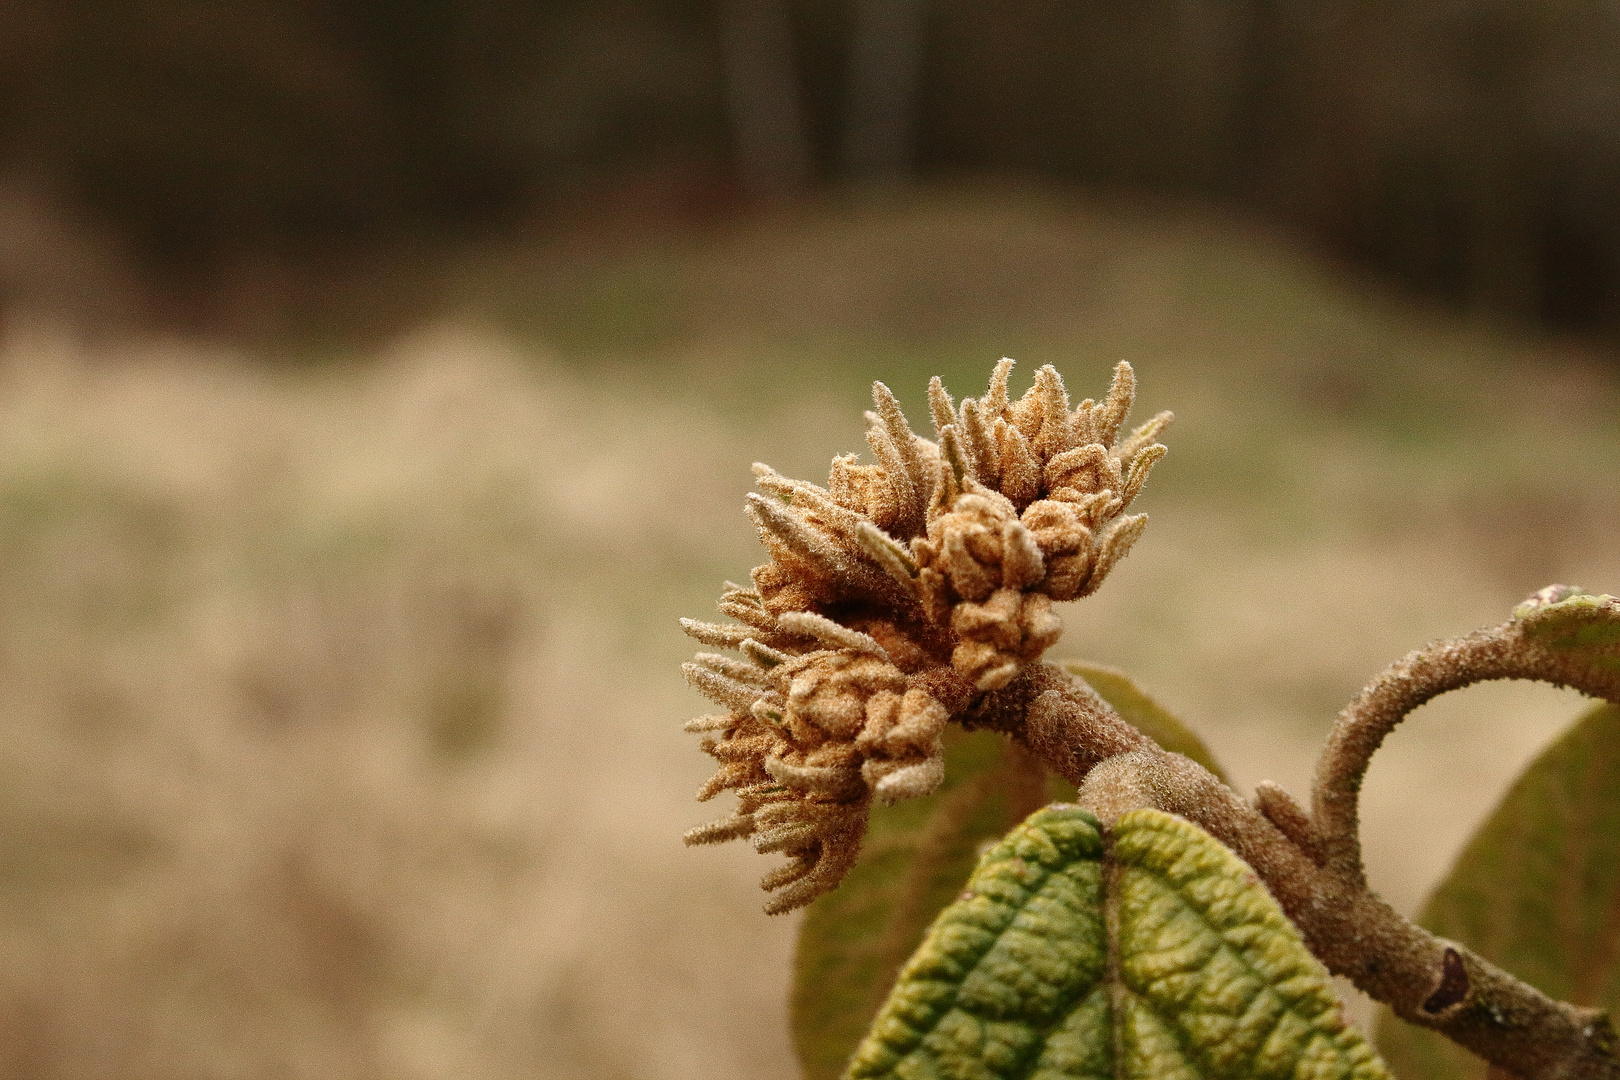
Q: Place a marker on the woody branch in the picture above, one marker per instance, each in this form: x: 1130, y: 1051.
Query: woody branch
x: 1312, y: 864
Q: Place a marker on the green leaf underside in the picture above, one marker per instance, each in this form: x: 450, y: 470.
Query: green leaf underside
x: 1144, y: 713
x: 1162, y: 958
x: 1537, y: 890
x: 916, y: 856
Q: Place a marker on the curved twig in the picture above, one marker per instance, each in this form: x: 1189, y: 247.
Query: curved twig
x: 1424, y: 979
x: 1499, y: 652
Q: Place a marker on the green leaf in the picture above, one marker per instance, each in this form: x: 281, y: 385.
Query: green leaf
x: 1151, y: 954
x: 1537, y: 890
x: 1144, y: 713
x: 913, y: 862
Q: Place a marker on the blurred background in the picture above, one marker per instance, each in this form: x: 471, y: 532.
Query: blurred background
x: 378, y: 384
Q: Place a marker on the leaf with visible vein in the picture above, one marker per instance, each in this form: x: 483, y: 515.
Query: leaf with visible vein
x: 1139, y: 709
x: 1537, y: 890
x: 914, y: 860
x: 1153, y: 954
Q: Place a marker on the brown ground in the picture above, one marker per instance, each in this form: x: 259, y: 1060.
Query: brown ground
x: 342, y: 702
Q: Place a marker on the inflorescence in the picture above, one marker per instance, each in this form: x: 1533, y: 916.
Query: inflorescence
x: 895, y: 598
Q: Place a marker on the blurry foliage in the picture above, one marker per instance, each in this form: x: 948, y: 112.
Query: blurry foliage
x: 199, y: 128
x: 1465, y: 148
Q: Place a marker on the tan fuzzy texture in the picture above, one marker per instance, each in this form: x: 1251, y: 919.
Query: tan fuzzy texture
x: 998, y: 637
x: 1040, y: 516
x: 904, y: 757
x: 811, y: 738
x: 928, y: 573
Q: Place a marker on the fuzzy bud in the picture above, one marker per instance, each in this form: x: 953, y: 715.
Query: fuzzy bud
x: 1066, y: 547
x: 998, y: 637
x: 826, y: 732
x: 828, y: 690
x: 973, y: 550
x: 930, y: 571
x: 901, y: 741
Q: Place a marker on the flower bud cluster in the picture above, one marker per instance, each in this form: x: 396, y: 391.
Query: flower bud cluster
x: 979, y: 571
x: 810, y: 740
x: 1029, y: 510
x: 952, y: 553
x: 852, y: 727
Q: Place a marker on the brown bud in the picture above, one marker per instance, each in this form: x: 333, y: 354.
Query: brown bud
x: 905, y: 757
x: 978, y: 547
x: 827, y: 692
x: 1083, y: 471
x: 902, y: 726
x: 1066, y: 547
x: 865, y: 489
x: 998, y: 637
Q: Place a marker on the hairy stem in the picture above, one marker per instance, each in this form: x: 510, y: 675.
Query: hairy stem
x: 1499, y: 652
x: 1063, y: 720
x: 1425, y: 979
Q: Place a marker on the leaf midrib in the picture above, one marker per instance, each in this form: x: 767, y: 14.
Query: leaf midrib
x: 1191, y: 1053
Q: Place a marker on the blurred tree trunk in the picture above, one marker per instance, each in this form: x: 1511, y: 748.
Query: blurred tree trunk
x: 762, y: 96
x: 1501, y: 248
x: 885, y: 71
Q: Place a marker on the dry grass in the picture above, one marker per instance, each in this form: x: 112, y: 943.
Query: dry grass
x: 338, y: 740
x: 342, y: 707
